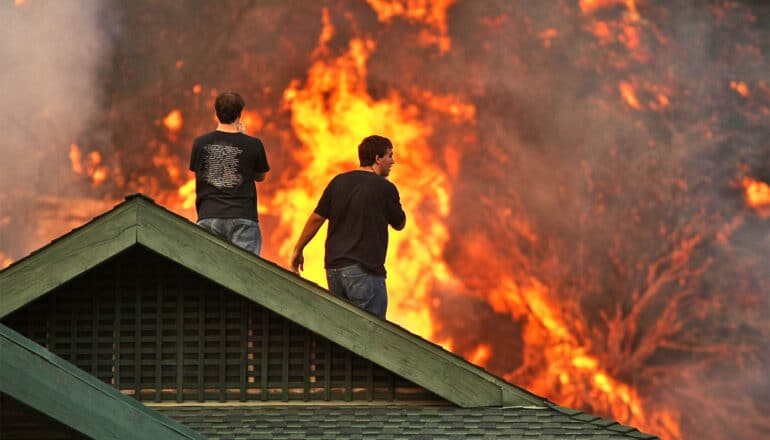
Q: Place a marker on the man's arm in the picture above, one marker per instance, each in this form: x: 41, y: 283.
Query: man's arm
x: 395, y: 213
x: 401, y: 225
x: 258, y: 177
x: 308, y: 232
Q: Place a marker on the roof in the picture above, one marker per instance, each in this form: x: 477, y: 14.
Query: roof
x: 497, y: 406
x: 39, y: 379
x: 395, y: 422
x: 140, y: 221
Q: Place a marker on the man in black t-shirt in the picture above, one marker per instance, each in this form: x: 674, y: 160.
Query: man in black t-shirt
x: 226, y: 163
x: 359, y: 205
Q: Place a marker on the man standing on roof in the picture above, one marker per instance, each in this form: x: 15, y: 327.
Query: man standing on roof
x: 359, y: 205
x: 226, y: 163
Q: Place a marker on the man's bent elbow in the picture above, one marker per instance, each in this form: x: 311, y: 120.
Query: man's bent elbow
x: 259, y: 177
x: 400, y: 226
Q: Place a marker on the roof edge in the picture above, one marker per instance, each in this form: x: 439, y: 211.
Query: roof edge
x: 73, y: 253
x: 38, y: 378
x: 171, y: 235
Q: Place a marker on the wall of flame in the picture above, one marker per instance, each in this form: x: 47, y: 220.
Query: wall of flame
x: 586, y: 182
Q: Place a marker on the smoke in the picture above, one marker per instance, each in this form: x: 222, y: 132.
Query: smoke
x: 614, y: 187
x: 51, y: 52
x: 560, y: 177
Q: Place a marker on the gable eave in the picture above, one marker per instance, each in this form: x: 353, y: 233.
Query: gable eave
x: 43, y: 381
x: 140, y: 221
x: 312, y: 307
x: 67, y: 257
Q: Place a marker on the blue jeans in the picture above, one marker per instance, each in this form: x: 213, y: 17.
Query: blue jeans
x: 241, y: 232
x: 363, y: 289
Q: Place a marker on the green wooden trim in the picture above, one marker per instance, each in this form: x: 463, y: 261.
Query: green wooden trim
x: 388, y: 345
x: 140, y: 221
x: 67, y: 258
x: 43, y: 381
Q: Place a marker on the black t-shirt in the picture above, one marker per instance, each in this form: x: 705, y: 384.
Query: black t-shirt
x: 225, y: 165
x: 359, y: 205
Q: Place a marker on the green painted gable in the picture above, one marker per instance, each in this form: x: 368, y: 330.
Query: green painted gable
x: 162, y: 333
x: 51, y: 386
x: 236, y: 347
x: 139, y: 221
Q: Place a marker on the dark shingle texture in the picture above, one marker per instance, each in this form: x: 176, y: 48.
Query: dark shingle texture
x: 391, y: 422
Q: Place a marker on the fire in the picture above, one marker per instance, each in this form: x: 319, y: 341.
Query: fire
x: 173, y: 121
x: 252, y: 121
x: 5, y: 260
x: 187, y: 193
x: 740, y: 87
x: 563, y: 346
x: 163, y: 159
x: 91, y: 166
x: 75, y: 159
x: 607, y: 269
x: 480, y: 355
x: 547, y: 36
x: 331, y: 112
x: 592, y: 6
x: 629, y: 95
x: 757, y: 195
x: 431, y: 12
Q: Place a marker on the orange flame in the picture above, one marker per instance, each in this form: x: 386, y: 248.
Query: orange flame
x: 740, y: 87
x: 165, y: 160
x: 431, y: 12
x: 91, y: 166
x: 5, y: 260
x: 331, y: 112
x: 591, y: 6
x: 629, y: 95
x: 480, y: 355
x: 75, y: 159
x: 547, y: 36
x: 251, y: 120
x: 187, y: 193
x: 757, y: 195
x: 173, y: 120
x: 557, y: 343
x: 19, y: 2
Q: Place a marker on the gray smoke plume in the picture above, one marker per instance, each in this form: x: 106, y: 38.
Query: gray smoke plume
x: 50, y: 52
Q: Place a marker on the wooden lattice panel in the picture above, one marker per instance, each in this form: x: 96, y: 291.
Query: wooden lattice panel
x: 159, y: 332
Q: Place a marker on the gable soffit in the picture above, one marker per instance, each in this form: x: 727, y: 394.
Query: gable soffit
x: 140, y: 221
x: 50, y: 385
x: 67, y: 257
x: 162, y: 333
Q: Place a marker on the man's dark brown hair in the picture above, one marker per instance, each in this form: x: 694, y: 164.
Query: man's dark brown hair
x: 371, y: 147
x: 228, y: 106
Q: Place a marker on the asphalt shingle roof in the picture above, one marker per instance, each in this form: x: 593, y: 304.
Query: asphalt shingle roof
x: 393, y: 422
x: 485, y: 406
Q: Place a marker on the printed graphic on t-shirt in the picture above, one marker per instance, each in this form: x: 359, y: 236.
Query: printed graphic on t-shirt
x: 221, y: 166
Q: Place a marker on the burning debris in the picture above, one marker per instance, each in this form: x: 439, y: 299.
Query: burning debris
x: 569, y: 170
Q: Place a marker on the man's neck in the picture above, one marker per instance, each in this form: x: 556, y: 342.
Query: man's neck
x: 371, y: 169
x: 228, y: 128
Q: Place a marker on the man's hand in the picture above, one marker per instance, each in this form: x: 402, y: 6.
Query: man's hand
x: 297, y: 261
x: 308, y: 232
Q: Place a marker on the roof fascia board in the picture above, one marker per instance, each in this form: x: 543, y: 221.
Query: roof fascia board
x: 364, y: 334
x: 67, y: 257
x: 53, y: 386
